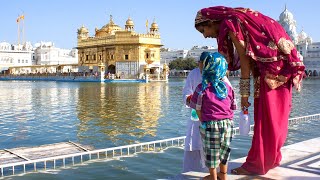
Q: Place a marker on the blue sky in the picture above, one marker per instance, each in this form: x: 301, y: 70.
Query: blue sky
x: 58, y: 20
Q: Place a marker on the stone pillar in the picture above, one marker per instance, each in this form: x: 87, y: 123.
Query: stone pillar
x: 102, y: 70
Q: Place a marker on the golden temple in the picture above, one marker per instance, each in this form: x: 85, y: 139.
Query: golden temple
x: 118, y: 51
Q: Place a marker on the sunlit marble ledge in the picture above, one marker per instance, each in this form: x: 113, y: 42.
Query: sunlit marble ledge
x: 300, y: 161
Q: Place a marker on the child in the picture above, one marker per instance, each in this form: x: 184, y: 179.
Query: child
x: 214, y: 101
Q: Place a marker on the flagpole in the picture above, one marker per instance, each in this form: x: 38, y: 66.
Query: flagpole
x: 23, y: 39
x: 18, y: 22
x: 147, y: 24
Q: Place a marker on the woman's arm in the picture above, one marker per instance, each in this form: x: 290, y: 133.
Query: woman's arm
x: 245, y: 66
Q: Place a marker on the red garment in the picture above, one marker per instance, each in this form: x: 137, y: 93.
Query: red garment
x: 267, y: 43
x: 271, y: 114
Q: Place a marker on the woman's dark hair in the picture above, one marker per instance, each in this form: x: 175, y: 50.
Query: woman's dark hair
x: 206, y: 23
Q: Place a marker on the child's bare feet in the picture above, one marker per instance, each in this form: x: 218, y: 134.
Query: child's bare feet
x: 207, y: 177
x: 222, y: 176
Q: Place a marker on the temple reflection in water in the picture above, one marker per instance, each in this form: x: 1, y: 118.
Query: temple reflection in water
x: 134, y: 112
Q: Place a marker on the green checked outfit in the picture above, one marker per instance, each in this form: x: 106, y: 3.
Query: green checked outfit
x: 216, y: 138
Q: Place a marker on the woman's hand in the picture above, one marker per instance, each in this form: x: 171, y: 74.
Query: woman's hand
x: 245, y: 103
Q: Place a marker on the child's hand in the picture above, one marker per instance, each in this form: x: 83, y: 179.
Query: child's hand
x: 189, y: 99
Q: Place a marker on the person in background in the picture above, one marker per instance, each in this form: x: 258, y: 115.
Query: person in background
x: 192, y: 160
x: 265, y: 51
x: 214, y: 102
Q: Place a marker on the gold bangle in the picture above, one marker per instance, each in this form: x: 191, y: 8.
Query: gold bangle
x: 245, y: 95
x: 244, y: 86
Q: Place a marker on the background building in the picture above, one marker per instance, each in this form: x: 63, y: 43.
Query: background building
x: 310, y: 51
x: 43, y: 57
x: 16, y: 55
x: 168, y: 55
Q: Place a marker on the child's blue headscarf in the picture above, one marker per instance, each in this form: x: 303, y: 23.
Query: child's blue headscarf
x: 214, y: 69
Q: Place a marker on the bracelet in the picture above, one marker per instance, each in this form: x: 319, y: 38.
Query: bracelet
x: 244, y: 85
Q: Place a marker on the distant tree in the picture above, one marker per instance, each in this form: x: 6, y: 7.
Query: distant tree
x: 190, y: 64
x: 183, y: 64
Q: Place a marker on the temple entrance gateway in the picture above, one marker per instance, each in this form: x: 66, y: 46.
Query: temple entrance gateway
x: 112, y: 69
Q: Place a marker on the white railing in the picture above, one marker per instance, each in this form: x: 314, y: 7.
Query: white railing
x: 291, y: 121
x: 114, y: 152
x: 304, y: 118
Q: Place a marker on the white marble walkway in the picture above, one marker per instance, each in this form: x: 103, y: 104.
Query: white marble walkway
x: 300, y: 161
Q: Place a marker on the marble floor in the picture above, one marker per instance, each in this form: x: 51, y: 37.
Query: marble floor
x: 300, y: 161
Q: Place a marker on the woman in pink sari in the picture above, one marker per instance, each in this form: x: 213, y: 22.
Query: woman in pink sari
x: 259, y: 46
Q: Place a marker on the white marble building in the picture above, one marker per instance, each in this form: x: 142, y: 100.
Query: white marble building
x: 47, y: 54
x: 26, y: 58
x: 306, y: 47
x: 15, y: 55
x: 168, y: 55
x: 196, y: 51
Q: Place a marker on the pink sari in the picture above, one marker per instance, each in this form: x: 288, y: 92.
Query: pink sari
x: 274, y: 55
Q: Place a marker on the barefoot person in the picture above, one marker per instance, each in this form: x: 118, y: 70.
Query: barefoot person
x: 214, y: 102
x: 267, y: 52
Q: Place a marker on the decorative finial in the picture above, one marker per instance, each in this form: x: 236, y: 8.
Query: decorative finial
x: 111, y: 20
x: 285, y: 6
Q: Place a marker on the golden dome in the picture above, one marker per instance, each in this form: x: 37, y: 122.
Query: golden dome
x: 110, y: 27
x: 107, y: 29
x: 129, y: 22
x: 154, y: 25
x: 83, y: 30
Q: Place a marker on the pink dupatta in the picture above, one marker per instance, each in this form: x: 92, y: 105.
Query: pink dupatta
x: 263, y: 38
